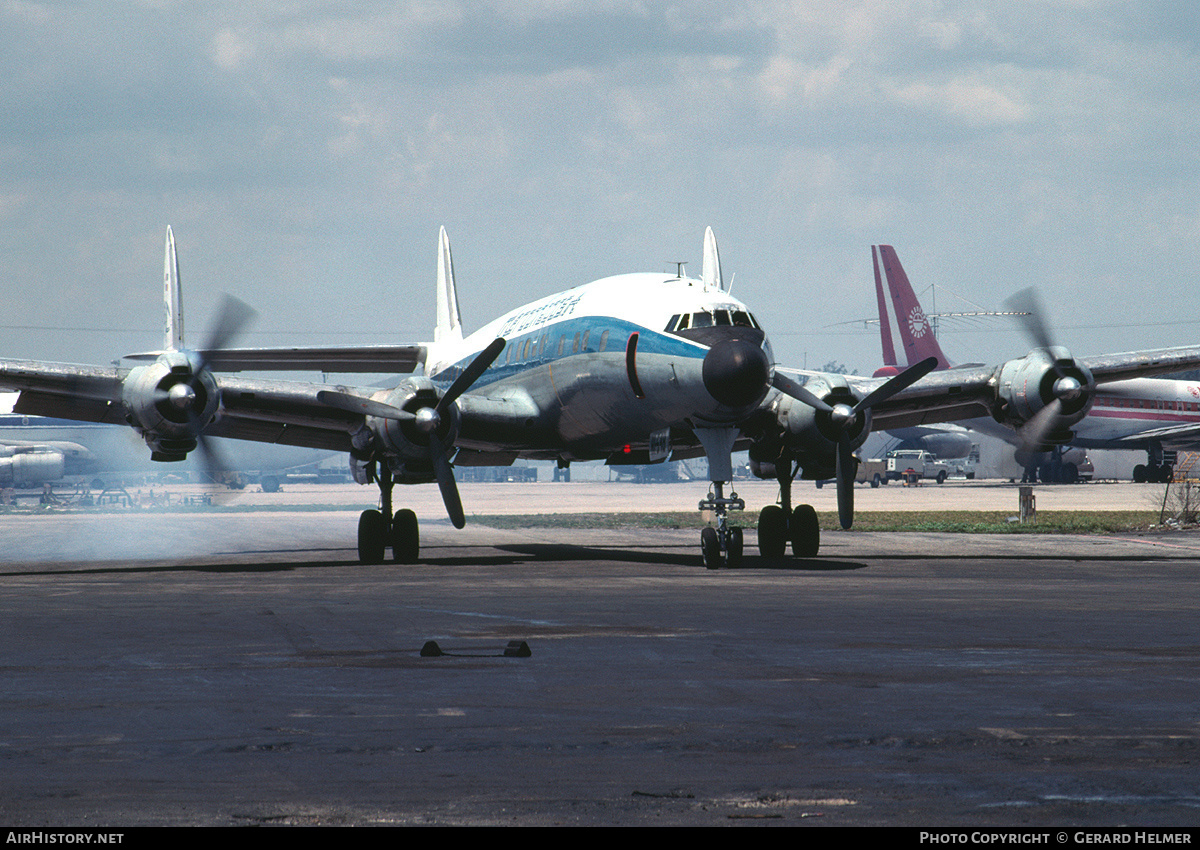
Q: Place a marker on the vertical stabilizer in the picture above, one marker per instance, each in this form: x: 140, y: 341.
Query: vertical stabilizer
x: 710, y: 271
x: 915, y: 331
x: 449, y: 323
x: 172, y: 298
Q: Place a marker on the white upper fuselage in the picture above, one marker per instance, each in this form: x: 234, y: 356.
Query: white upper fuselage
x: 569, y: 356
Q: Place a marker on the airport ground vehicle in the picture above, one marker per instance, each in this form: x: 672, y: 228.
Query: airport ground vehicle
x: 872, y: 471
x: 907, y: 462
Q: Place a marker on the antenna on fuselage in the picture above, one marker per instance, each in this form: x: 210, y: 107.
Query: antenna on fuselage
x: 679, y: 264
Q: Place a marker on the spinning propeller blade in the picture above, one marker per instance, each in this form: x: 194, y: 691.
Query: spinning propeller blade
x: 1066, y: 388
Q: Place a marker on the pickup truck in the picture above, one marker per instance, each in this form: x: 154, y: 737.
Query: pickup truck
x: 922, y: 463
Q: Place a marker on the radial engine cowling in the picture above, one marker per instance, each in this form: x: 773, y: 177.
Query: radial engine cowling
x: 404, y: 443
x: 170, y: 402
x: 811, y: 435
x: 1047, y: 384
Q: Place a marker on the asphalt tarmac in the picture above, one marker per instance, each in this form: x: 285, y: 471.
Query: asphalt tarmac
x: 244, y: 669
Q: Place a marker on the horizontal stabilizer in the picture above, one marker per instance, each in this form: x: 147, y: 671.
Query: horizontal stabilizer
x: 388, y: 359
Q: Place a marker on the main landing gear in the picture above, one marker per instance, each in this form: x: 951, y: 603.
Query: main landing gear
x: 781, y: 524
x: 378, y: 529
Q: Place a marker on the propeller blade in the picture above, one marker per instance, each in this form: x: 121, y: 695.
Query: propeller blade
x: 845, y: 483
x: 214, y: 463
x: 1026, y: 302
x: 367, y: 407
x: 1034, y: 432
x: 789, y: 387
x: 233, y: 316
x: 471, y: 374
x: 446, y: 483
x: 902, y: 381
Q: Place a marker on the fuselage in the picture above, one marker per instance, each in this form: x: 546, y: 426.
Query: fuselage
x: 1124, y: 409
x: 612, y: 366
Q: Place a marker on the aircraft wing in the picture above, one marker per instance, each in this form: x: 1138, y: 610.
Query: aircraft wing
x: 1141, y: 364
x: 975, y: 391
x: 947, y: 396
x: 285, y: 412
x: 388, y: 359
x: 65, y: 390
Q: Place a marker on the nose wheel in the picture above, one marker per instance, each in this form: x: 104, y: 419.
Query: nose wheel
x: 721, y: 546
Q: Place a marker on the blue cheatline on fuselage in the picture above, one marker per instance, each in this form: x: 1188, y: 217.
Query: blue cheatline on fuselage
x: 571, y: 337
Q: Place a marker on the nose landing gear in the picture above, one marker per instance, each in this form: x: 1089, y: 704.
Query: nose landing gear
x: 723, y: 545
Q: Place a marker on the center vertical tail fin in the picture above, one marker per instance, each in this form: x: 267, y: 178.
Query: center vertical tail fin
x: 172, y: 297
x: 449, y: 323
x: 710, y: 270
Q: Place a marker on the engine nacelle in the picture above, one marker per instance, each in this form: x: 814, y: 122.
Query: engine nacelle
x: 1042, y: 378
x: 809, y: 436
x: 404, y: 443
x: 170, y: 402
x: 22, y: 468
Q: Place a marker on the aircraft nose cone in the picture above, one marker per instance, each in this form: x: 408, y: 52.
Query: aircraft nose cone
x: 736, y: 372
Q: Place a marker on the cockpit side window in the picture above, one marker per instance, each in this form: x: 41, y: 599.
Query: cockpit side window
x: 672, y: 323
x: 742, y: 319
x: 702, y: 320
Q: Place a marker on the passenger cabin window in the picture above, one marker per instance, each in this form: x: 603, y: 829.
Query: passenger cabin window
x: 583, y: 345
x: 603, y: 341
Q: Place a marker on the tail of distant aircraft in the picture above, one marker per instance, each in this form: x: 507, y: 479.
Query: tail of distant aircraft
x: 449, y: 323
x: 172, y: 298
x: 916, y: 335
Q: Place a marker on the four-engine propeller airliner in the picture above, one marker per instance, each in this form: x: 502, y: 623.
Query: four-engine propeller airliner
x: 635, y: 368
x: 1138, y: 414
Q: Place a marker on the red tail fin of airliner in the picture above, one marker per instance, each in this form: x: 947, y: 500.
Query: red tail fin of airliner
x: 916, y: 335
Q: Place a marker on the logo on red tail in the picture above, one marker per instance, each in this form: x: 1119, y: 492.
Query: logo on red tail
x: 917, y: 323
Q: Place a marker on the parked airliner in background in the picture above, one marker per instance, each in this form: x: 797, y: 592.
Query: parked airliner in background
x: 636, y: 368
x: 1138, y: 414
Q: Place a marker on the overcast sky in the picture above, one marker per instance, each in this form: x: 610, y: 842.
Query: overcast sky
x: 305, y: 154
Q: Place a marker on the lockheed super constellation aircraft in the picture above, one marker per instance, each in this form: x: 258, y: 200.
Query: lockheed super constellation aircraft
x: 634, y: 368
x: 1139, y: 414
